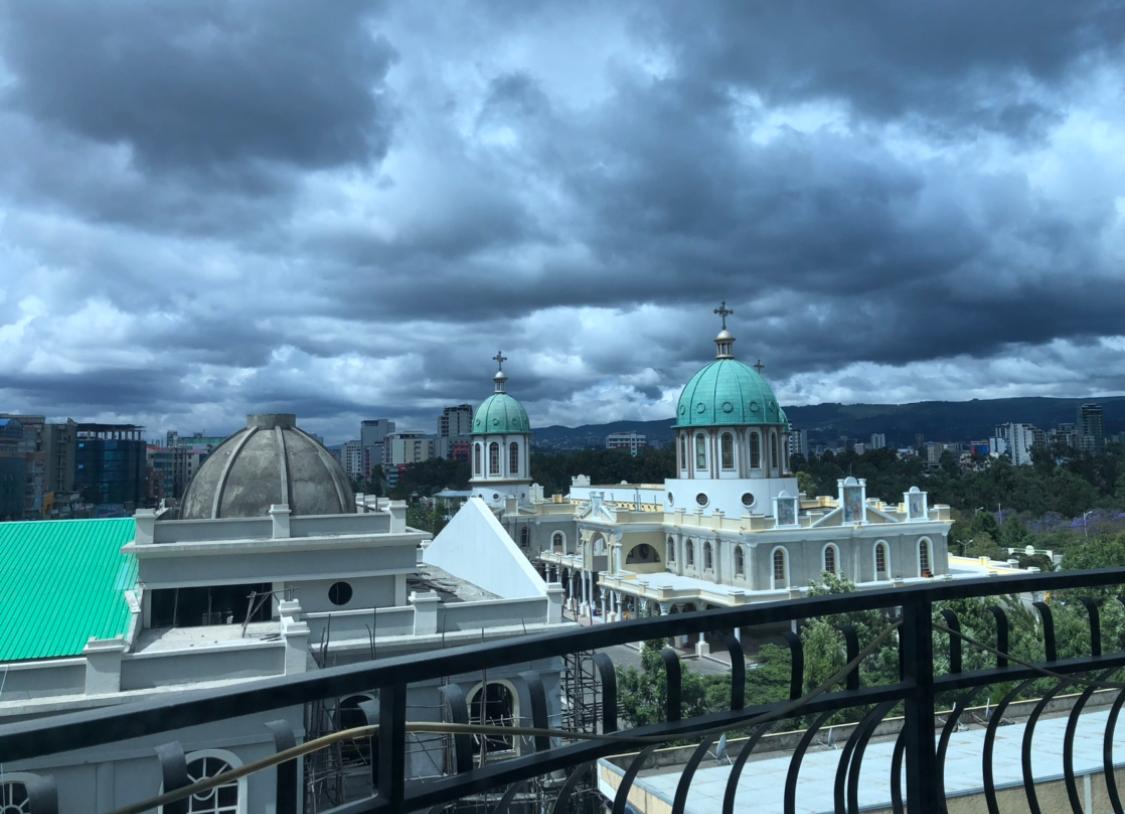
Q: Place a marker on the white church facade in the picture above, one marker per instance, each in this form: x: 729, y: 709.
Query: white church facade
x: 730, y: 526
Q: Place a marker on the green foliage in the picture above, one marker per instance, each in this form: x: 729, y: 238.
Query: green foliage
x: 426, y: 516
x: 428, y: 477
x: 553, y: 470
x: 642, y: 694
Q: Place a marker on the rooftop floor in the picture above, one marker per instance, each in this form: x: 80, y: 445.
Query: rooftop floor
x: 762, y: 784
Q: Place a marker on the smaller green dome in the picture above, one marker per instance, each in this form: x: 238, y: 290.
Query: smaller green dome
x: 727, y: 392
x: 500, y: 413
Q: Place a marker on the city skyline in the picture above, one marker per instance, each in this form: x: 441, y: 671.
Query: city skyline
x: 920, y: 217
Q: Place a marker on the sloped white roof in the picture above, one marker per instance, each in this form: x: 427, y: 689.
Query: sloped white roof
x: 476, y: 548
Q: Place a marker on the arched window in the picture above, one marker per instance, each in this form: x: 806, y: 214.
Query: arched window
x: 708, y: 559
x: 881, y: 570
x: 224, y: 799
x: 643, y: 553
x: 558, y: 542
x: 351, y: 715
x: 513, y: 458
x: 525, y: 537
x: 13, y: 798
x: 671, y: 548
x: 689, y: 552
x: 924, y: 558
x: 773, y: 450
x: 726, y: 448
x: 830, y: 555
x: 494, y: 705
x: 739, y: 562
x: 494, y: 458
x: 755, y: 450
x: 683, y: 452
x: 701, y: 451
x: 476, y: 459
x: 780, y: 569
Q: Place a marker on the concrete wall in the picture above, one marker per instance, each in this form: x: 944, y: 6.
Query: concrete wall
x: 367, y: 592
x: 267, y: 564
x: 351, y: 625
x: 38, y: 679
x: 488, y: 613
x: 240, y: 660
x: 107, y: 777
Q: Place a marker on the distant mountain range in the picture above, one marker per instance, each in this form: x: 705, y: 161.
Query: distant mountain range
x: 935, y: 420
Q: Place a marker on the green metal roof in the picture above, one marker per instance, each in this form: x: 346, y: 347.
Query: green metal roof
x: 61, y: 582
x: 727, y: 392
x: 500, y: 413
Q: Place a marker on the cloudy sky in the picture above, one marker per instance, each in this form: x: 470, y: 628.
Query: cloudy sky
x: 343, y: 209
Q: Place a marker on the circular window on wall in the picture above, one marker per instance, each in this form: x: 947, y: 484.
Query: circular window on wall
x: 701, y: 499
x: 754, y: 407
x: 340, y: 593
x: 701, y: 407
x: 495, y: 495
x: 747, y: 499
x: 728, y: 407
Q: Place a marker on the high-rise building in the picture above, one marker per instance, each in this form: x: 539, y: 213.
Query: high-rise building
x: 405, y: 448
x: 631, y: 441
x: 799, y: 443
x: 24, y: 439
x: 373, y: 434
x: 1065, y: 435
x: 61, y: 444
x: 351, y: 456
x: 111, y: 464
x: 1018, y: 440
x: 878, y: 441
x: 1090, y: 429
x: 455, y: 424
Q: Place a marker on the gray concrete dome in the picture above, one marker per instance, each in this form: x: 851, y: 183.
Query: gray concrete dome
x: 270, y: 461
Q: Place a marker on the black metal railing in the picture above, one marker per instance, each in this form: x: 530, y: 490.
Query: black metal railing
x: 911, y: 614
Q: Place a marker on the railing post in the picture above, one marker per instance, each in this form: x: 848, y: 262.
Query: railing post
x: 392, y: 745
x: 923, y: 794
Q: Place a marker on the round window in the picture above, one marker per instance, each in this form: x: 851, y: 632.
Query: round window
x: 701, y: 499
x: 495, y: 495
x: 340, y: 593
x: 701, y: 407
x: 728, y: 407
x: 683, y: 409
x: 754, y: 407
x: 747, y: 499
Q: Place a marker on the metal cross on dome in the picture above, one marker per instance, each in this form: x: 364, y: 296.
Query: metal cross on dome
x: 724, y: 312
x: 500, y: 359
x: 758, y: 366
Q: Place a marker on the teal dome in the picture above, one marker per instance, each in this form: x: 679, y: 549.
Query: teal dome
x: 728, y: 392
x: 500, y: 413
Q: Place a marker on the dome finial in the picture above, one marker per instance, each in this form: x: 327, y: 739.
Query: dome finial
x: 724, y: 342
x: 501, y: 377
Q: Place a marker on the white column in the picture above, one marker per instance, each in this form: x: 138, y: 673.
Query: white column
x: 572, y: 603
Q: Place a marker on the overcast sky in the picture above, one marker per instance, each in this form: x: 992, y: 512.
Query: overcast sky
x: 343, y: 209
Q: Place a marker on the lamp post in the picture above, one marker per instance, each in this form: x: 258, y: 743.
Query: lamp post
x: 1085, y: 525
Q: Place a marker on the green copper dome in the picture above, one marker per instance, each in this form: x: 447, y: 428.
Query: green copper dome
x: 500, y: 413
x: 728, y: 392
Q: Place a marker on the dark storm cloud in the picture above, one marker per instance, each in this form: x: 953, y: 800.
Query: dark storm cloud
x: 205, y: 85
x: 215, y: 208
x: 963, y: 63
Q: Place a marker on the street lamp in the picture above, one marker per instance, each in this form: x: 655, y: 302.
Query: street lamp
x: 1085, y: 525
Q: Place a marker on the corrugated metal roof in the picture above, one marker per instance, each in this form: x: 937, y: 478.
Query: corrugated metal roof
x: 61, y: 582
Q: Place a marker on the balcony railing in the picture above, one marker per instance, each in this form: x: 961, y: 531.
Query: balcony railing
x: 911, y: 616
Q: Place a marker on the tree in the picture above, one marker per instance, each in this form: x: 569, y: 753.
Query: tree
x: 642, y: 694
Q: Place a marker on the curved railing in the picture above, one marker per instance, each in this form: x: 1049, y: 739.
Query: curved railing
x: 910, y: 618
